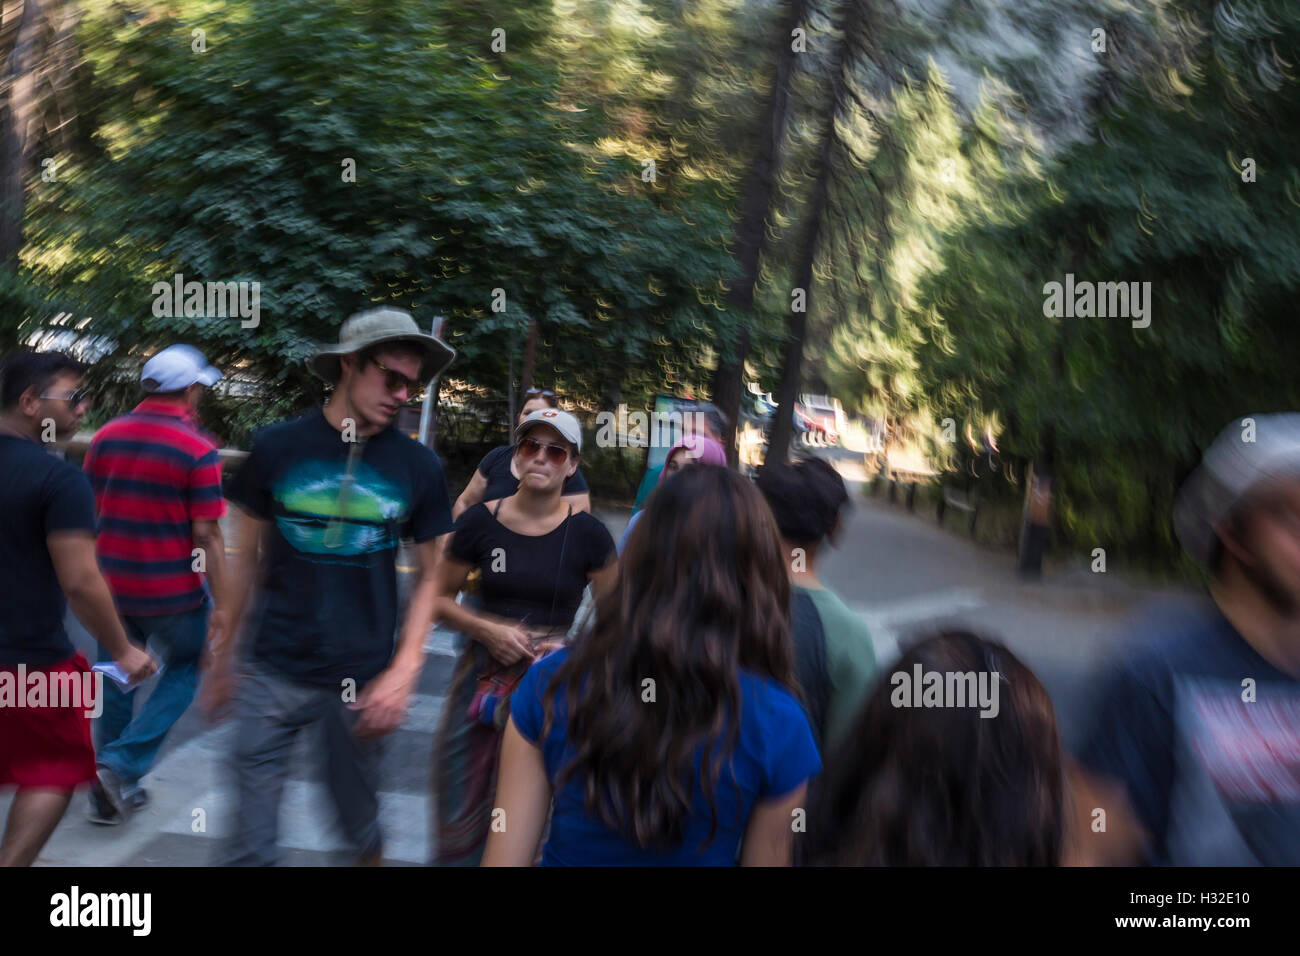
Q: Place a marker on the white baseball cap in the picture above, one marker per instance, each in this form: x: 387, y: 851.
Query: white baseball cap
x: 1247, y: 453
x: 562, y: 422
x: 177, y: 367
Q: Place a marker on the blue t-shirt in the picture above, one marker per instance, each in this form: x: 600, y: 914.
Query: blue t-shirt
x: 774, y: 756
x: 1205, y: 735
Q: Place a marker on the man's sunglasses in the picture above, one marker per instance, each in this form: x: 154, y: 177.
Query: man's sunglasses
x: 395, y: 380
x: 555, y: 454
x: 76, y: 398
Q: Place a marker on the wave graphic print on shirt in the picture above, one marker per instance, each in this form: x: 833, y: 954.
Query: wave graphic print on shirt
x: 373, y: 511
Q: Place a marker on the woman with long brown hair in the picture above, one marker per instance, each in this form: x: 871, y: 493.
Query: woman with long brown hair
x: 973, y: 778
x: 669, y: 732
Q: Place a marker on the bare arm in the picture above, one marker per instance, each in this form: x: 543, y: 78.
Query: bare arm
x: 249, y: 533
x: 73, y: 555
x: 208, y: 537
x: 471, y: 496
x: 507, y: 643
x: 1121, y: 842
x: 523, y: 798
x: 770, y: 833
x: 383, y: 700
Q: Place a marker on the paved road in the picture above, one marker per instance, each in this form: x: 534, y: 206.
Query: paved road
x: 900, y: 571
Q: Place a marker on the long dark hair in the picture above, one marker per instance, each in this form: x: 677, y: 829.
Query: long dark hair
x: 943, y: 786
x: 702, y: 593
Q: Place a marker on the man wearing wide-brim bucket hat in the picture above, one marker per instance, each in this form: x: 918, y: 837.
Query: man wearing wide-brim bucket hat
x: 328, y: 496
x: 1196, y: 748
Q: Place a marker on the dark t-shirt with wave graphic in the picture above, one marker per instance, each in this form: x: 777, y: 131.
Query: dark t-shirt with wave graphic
x: 328, y: 607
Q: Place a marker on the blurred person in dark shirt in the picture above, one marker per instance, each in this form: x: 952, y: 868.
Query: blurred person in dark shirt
x: 1194, y: 756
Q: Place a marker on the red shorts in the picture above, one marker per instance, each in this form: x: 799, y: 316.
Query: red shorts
x: 47, y: 746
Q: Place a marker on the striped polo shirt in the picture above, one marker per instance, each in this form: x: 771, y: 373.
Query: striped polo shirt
x: 154, y: 473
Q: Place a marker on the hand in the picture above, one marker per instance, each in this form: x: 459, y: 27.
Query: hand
x: 137, y: 664
x: 217, y: 687
x: 546, y: 647
x: 509, y: 643
x: 383, y: 703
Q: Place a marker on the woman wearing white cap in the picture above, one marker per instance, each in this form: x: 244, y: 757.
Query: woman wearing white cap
x: 536, y: 553
x: 497, y: 475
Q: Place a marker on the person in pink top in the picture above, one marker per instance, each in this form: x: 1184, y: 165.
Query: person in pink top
x: 691, y: 450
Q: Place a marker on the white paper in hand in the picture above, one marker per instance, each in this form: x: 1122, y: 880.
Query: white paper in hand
x: 120, y: 677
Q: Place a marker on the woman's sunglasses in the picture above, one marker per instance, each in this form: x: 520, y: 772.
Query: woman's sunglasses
x: 555, y: 454
x: 534, y: 392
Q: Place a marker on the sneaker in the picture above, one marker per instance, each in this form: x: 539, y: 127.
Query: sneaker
x: 110, y: 789
x: 101, y: 810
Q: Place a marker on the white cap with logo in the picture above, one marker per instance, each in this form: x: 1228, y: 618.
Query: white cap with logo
x: 562, y: 422
x: 177, y: 367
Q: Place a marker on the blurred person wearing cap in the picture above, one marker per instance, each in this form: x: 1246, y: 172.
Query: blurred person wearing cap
x: 157, y: 481
x: 326, y: 498
x: 497, y: 476
x: 47, y: 563
x: 537, y: 553
x: 1195, y: 751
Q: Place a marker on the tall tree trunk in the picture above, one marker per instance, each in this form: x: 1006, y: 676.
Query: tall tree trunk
x: 796, y: 323
x: 778, y: 448
x: 19, y: 120
x: 760, y: 184
x: 530, y: 356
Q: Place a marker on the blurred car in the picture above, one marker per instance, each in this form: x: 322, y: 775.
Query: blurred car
x: 820, y: 418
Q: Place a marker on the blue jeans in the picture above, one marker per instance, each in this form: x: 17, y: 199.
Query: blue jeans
x: 128, y: 745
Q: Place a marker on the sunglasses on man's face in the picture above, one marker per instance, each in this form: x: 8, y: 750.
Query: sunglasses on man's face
x: 395, y: 380
x: 555, y: 454
x: 74, y: 399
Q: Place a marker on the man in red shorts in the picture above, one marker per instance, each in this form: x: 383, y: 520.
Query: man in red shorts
x: 47, y: 551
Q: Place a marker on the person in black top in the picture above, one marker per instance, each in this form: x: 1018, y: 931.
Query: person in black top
x: 536, y: 552
x: 328, y: 496
x: 47, y: 555
x: 497, y: 475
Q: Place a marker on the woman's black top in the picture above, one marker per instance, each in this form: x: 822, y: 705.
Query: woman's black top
x: 535, y: 579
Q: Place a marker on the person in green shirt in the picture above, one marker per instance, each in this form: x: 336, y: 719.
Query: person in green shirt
x: 834, y: 655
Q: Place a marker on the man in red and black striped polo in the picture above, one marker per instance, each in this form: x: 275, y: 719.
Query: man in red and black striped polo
x: 157, y: 483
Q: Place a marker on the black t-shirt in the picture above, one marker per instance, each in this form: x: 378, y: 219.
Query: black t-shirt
x: 1205, y: 735
x: 328, y: 606
x: 495, y: 467
x: 39, y: 494
x: 524, y: 575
